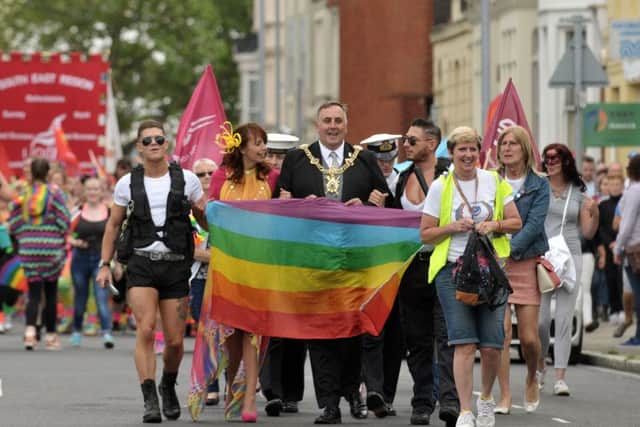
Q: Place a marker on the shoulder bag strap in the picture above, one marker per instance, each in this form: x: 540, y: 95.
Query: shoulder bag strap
x: 421, y: 180
x: 464, y: 198
x: 566, y: 205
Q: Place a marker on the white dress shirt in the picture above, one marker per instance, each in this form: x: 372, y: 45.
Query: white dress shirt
x: 324, y: 152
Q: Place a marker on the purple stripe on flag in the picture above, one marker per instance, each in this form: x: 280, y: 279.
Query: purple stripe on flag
x: 323, y: 209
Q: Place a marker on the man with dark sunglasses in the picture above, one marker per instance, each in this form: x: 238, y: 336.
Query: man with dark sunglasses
x: 154, y: 198
x: 422, y: 317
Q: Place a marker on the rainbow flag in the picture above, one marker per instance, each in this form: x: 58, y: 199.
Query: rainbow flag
x: 303, y: 268
x: 298, y: 269
x: 12, y: 275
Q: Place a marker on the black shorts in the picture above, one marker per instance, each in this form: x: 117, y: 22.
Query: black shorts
x: 170, y: 278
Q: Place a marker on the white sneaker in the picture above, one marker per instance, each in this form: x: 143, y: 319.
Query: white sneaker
x: 560, y: 388
x: 2, y: 330
x: 616, y: 318
x: 466, y: 420
x: 486, y: 416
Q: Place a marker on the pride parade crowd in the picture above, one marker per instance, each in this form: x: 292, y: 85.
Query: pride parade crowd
x: 50, y: 218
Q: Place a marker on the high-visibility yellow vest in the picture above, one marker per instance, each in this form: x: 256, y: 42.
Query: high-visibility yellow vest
x: 500, y: 244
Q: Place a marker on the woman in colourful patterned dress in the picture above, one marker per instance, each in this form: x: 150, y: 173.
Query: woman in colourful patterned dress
x: 243, y: 175
x: 40, y: 220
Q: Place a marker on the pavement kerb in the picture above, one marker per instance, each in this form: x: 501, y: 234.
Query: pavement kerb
x: 611, y: 361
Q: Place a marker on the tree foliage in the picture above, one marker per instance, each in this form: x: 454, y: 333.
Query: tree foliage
x: 157, y: 48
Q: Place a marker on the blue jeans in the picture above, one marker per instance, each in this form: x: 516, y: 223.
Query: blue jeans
x: 634, y: 281
x: 467, y: 324
x: 84, y: 269
x: 196, y: 293
x: 599, y: 289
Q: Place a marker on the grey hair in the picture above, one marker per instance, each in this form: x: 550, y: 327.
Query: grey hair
x: 204, y: 161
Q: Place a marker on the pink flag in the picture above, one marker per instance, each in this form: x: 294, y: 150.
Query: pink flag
x: 508, y: 113
x: 200, y: 123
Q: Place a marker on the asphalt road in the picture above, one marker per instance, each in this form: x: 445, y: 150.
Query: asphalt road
x: 90, y: 386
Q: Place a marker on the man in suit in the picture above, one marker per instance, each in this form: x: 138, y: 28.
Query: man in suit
x: 422, y: 318
x: 332, y: 168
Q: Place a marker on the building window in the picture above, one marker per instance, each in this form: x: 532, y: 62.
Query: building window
x: 441, y: 12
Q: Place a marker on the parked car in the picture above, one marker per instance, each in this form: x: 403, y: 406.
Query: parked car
x: 577, y: 330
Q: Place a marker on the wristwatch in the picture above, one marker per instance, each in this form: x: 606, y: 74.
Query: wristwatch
x: 105, y: 263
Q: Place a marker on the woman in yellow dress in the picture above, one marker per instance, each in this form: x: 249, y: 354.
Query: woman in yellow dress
x: 243, y: 175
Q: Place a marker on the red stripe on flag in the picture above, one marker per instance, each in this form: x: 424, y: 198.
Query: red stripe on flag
x: 299, y: 326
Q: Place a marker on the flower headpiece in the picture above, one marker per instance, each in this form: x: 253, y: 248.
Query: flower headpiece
x: 228, y: 139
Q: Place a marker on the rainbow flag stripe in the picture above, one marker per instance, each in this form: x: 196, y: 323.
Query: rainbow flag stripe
x: 307, y: 268
x: 12, y: 275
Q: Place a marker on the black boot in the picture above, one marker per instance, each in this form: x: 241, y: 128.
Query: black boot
x: 167, y: 389
x: 151, y: 404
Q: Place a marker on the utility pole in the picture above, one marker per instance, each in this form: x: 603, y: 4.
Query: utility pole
x: 277, y: 59
x: 262, y: 61
x: 485, y: 41
x: 577, y: 22
x: 578, y: 68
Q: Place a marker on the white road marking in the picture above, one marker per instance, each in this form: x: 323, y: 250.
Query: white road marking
x: 561, y: 421
x: 0, y: 387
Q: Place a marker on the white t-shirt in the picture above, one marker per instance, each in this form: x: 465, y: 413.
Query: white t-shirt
x: 482, y: 206
x: 516, y: 184
x: 157, y: 192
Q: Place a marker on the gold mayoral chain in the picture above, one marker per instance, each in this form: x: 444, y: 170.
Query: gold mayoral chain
x: 331, y: 175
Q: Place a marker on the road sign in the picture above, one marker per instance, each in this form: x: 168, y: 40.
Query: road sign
x: 592, y: 71
x: 608, y: 125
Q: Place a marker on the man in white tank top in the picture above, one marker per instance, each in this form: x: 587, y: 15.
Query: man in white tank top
x: 422, y: 318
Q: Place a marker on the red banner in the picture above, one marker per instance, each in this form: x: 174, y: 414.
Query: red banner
x: 200, y: 123
x: 508, y: 112
x: 40, y: 94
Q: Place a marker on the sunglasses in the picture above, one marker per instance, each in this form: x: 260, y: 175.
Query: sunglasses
x: 412, y: 140
x: 202, y: 174
x: 552, y: 160
x: 147, y: 140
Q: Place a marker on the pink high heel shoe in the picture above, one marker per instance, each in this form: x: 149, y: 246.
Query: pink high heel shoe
x: 249, y: 417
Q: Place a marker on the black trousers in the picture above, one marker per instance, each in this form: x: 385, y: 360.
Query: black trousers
x: 282, y: 375
x: 424, y: 326
x: 382, y: 357
x: 50, y: 291
x: 613, y: 274
x: 336, y: 365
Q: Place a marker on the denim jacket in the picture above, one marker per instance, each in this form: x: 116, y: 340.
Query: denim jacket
x: 532, y: 202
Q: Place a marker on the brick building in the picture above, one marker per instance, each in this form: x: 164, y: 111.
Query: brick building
x: 385, y: 63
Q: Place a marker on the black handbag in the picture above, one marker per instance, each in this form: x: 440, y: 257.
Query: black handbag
x: 478, y: 277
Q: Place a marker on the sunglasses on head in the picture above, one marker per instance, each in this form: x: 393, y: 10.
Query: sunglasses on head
x: 202, y: 174
x: 147, y: 140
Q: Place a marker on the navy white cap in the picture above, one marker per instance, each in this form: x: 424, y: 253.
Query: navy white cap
x: 383, y: 145
x: 281, y: 142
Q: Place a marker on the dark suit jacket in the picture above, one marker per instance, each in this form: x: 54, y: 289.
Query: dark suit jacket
x: 302, y: 179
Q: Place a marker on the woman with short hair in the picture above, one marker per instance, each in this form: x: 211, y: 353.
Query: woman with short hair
x: 468, y: 199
